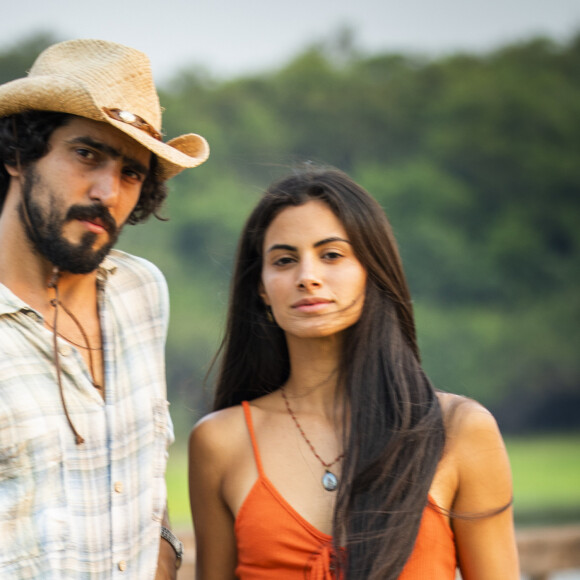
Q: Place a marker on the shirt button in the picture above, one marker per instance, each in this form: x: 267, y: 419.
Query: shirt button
x: 118, y: 486
x: 64, y: 349
x: 122, y: 565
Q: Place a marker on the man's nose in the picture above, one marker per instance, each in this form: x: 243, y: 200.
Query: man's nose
x: 106, y: 186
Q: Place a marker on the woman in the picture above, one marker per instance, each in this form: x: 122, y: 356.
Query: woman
x: 346, y: 463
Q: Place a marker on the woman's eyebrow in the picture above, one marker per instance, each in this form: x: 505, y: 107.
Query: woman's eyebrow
x: 290, y: 248
x: 281, y: 247
x: 330, y: 240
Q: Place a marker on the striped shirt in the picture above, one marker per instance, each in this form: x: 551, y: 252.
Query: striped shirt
x: 89, y: 511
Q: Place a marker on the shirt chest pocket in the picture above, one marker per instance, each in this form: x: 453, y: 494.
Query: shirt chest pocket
x: 33, y: 507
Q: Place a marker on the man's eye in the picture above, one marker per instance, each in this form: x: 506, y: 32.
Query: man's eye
x: 85, y: 153
x: 135, y: 175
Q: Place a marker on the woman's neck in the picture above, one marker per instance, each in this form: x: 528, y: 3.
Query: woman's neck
x: 314, y: 374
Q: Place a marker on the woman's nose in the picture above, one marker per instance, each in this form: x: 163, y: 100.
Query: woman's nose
x: 308, y: 276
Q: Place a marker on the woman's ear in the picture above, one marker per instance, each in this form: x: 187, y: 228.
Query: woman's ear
x: 262, y: 293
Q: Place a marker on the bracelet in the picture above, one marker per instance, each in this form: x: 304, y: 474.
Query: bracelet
x: 175, y: 544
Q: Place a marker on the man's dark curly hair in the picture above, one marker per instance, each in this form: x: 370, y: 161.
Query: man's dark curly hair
x: 24, y: 139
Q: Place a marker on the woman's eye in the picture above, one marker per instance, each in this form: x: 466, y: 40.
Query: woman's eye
x: 283, y: 261
x: 332, y: 255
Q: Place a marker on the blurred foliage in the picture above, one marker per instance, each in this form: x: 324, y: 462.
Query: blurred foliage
x: 473, y: 157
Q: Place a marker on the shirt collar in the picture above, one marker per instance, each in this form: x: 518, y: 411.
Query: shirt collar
x: 106, y: 269
x: 10, y: 303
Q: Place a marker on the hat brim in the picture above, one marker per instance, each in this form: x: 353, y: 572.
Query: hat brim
x: 61, y: 94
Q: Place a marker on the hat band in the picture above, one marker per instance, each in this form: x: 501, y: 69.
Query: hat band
x: 133, y: 120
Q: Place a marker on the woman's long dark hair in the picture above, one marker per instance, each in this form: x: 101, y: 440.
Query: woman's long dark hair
x: 395, y: 435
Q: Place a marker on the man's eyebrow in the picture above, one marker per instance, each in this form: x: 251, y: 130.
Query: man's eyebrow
x: 290, y: 248
x: 111, y: 151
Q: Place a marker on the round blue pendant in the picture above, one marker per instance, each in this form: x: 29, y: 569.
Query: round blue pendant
x: 329, y: 481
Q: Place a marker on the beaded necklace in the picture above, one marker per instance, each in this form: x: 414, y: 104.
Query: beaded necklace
x: 329, y: 479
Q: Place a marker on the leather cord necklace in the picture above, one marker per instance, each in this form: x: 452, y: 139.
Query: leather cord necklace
x: 329, y: 479
x: 53, y: 283
x: 70, y: 340
x: 56, y: 304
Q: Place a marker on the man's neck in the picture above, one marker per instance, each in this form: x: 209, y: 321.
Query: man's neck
x: 31, y: 282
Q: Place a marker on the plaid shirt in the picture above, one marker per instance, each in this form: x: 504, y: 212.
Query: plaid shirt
x: 85, y: 511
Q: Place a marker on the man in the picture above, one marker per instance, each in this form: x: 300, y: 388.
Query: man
x: 84, y: 422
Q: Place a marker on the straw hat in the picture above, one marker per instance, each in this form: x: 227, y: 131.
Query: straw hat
x: 107, y: 82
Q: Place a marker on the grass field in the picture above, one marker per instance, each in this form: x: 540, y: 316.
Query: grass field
x: 546, y: 472
x: 177, y: 491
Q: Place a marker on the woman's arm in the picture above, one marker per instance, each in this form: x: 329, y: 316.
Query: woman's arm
x: 485, y: 543
x: 212, y: 518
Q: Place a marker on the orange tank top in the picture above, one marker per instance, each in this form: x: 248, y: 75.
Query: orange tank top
x: 276, y: 542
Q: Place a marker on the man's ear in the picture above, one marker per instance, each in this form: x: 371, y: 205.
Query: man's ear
x: 12, y: 170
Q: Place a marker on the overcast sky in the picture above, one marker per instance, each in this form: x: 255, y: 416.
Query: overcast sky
x: 235, y: 37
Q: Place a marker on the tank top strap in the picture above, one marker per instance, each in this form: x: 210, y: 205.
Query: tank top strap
x: 248, y: 416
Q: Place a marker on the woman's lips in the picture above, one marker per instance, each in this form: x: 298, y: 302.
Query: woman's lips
x: 311, y: 304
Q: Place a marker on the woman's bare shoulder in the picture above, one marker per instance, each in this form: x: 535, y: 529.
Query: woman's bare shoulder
x: 476, y: 447
x: 478, y: 461
x: 217, y: 432
x: 465, y: 417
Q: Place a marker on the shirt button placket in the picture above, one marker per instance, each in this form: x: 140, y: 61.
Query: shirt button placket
x: 118, y: 490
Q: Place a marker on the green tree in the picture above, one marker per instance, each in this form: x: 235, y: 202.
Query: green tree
x: 473, y: 157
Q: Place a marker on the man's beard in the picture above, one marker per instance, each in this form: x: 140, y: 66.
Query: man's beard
x: 44, y: 226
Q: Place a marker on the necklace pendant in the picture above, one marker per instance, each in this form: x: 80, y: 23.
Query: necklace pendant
x: 329, y: 481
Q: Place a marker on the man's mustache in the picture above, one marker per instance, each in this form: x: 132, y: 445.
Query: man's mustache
x: 93, y: 212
